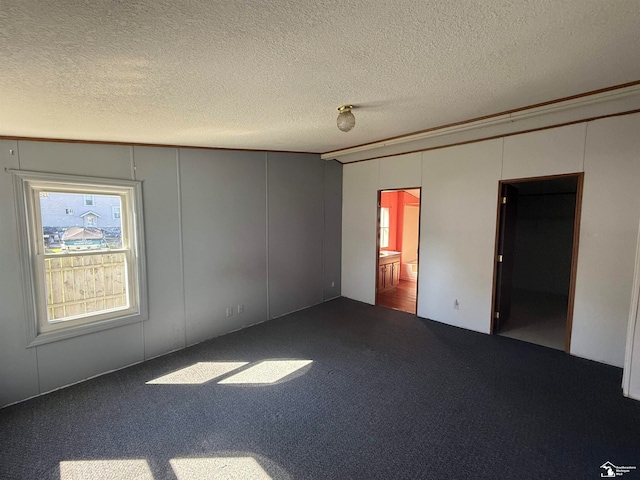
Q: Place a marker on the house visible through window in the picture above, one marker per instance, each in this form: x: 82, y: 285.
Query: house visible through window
x: 384, y: 227
x: 83, y: 278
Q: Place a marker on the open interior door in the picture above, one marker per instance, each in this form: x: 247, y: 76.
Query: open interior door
x: 505, y: 258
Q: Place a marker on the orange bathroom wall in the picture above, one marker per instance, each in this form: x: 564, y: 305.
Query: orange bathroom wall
x: 390, y: 201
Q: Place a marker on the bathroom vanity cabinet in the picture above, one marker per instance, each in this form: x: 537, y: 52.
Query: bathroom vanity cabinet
x: 388, y: 271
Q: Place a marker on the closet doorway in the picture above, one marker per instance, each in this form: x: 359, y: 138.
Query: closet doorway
x: 536, y: 258
x: 398, y: 237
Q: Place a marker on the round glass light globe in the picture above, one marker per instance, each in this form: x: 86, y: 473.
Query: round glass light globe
x: 346, y: 121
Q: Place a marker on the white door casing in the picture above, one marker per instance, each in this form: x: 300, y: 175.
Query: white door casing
x: 631, y: 376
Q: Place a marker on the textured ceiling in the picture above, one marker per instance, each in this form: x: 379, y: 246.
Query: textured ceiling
x: 270, y: 74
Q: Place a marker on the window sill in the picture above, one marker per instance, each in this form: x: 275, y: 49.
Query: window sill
x: 71, y: 332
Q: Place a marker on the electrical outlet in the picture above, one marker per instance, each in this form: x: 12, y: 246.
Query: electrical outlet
x: 456, y: 304
x: 241, y: 308
x: 229, y: 311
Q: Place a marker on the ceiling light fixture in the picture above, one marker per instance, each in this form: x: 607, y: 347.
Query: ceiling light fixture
x: 346, y: 121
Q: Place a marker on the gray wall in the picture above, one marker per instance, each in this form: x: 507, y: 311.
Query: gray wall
x: 544, y: 243
x: 332, y: 229
x: 208, y: 215
x: 223, y: 232
x: 296, y: 224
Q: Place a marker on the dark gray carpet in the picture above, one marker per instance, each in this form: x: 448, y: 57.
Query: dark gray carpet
x: 387, y: 396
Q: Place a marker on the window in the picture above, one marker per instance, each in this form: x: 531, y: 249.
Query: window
x: 89, y: 201
x: 384, y: 227
x: 68, y: 211
x: 90, y: 279
x: 115, y: 213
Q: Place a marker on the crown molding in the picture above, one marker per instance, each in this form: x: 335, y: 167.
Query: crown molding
x: 601, y: 103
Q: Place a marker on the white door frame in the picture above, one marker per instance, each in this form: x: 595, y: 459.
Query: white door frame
x: 634, y: 326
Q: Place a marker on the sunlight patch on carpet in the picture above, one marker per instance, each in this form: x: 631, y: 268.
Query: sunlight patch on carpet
x: 105, y: 470
x: 230, y: 468
x: 198, y: 373
x: 267, y: 371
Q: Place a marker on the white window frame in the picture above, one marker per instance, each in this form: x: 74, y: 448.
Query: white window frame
x: 28, y: 186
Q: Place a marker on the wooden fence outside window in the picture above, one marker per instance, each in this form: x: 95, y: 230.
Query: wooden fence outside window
x: 85, y: 284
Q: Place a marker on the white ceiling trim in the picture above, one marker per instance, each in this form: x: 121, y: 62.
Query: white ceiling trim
x: 600, y: 104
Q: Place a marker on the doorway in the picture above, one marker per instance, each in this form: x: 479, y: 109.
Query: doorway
x: 398, y: 237
x: 536, y: 258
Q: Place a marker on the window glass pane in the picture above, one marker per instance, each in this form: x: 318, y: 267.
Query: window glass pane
x: 384, y: 217
x: 79, y: 285
x: 70, y: 224
x: 384, y: 237
x: 384, y: 227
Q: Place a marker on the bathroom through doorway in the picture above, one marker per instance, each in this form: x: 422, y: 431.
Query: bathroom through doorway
x: 398, y: 237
